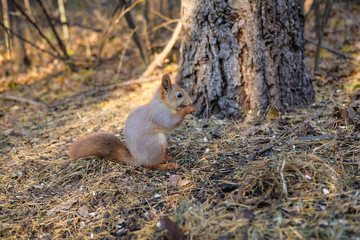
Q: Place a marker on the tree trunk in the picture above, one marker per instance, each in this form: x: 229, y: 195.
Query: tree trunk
x: 244, y: 56
x: 6, y: 21
x: 63, y: 22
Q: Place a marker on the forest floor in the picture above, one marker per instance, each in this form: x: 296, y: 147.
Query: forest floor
x: 297, y: 176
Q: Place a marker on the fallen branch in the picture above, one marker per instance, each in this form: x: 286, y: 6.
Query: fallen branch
x: 115, y: 18
x: 322, y: 109
x: 127, y: 43
x: 261, y: 151
x: 21, y: 99
x: 164, y: 24
x: 160, y: 58
x: 325, y: 136
x: 334, y: 51
x: 349, y: 153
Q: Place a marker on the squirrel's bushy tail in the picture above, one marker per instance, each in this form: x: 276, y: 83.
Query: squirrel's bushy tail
x: 101, y: 145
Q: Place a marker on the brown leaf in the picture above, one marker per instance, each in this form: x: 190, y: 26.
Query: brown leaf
x: 183, y: 182
x: 83, y: 211
x: 347, y: 114
x: 272, y: 114
x: 174, y: 180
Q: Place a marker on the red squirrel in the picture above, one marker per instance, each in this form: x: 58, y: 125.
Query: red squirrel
x: 145, y: 131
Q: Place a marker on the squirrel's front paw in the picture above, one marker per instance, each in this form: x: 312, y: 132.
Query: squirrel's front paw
x: 190, y: 110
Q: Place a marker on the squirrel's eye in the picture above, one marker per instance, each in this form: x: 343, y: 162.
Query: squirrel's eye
x: 179, y: 95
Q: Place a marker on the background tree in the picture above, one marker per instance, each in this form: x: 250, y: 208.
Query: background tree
x: 15, y: 47
x: 244, y: 56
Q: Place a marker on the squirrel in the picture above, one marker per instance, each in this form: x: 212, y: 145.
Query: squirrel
x: 145, y: 131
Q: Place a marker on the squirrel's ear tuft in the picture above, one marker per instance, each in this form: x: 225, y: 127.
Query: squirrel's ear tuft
x: 166, y: 82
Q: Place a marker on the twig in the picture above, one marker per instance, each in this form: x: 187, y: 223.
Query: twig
x: 106, y: 33
x: 104, y: 36
x: 332, y: 50
x: 58, y: 22
x: 165, y: 18
x: 110, y: 26
x: 310, y: 128
x: 325, y: 136
x: 60, y: 42
x: 131, y: 23
x: 123, y: 53
x: 322, y: 109
x: 160, y: 15
x: 27, y: 41
x: 156, y: 197
x: 285, y: 192
x: 348, y: 153
x: 145, y: 202
x: 37, y: 28
x: 348, y: 14
x: 163, y: 25
x: 21, y: 99
x: 325, y: 18
x: 263, y: 150
x: 160, y: 58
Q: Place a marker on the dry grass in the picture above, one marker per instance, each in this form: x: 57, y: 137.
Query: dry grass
x: 278, y: 182
x: 294, y: 177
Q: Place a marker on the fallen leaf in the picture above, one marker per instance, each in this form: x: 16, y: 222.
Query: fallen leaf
x: 348, y: 114
x: 272, y: 114
x: 174, y: 180
x: 183, y: 182
x: 83, y: 211
x: 62, y: 206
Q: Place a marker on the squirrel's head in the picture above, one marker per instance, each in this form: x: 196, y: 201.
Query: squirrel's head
x: 173, y: 95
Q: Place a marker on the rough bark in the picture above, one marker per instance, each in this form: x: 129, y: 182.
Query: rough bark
x: 244, y: 55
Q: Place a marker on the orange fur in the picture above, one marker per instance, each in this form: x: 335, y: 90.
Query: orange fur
x: 145, y: 131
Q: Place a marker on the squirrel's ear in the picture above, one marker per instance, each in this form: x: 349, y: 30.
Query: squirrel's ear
x: 166, y: 82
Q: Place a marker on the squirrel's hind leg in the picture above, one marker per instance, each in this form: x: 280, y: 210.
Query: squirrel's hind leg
x: 158, y: 156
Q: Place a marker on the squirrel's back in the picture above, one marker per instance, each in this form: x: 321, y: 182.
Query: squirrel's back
x: 102, y: 145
